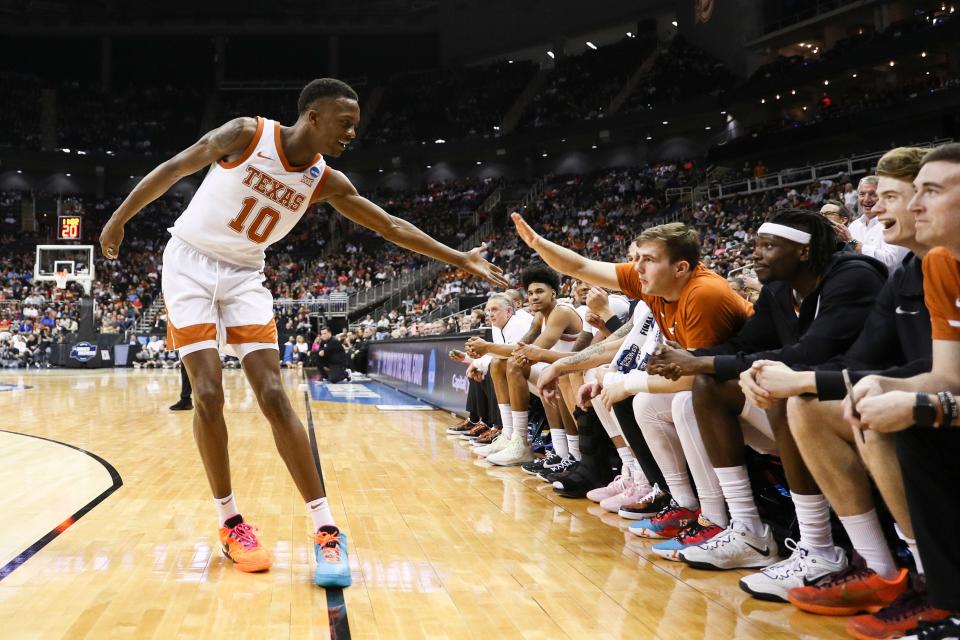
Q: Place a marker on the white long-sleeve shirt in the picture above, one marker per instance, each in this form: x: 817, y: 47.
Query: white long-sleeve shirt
x: 869, y: 233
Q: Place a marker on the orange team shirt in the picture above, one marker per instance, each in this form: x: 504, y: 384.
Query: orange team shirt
x: 941, y: 292
x: 708, y: 312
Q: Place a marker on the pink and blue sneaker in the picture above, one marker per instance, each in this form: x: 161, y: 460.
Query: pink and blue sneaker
x: 669, y: 522
x: 697, y: 533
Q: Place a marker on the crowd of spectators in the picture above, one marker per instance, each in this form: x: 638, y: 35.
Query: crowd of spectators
x: 448, y: 104
x: 437, y: 104
x: 595, y: 214
x: 145, y: 120
x: 581, y: 87
x: 853, y: 100
x: 598, y: 216
x: 302, y: 267
x: 21, y: 99
x: 679, y: 72
x: 922, y: 19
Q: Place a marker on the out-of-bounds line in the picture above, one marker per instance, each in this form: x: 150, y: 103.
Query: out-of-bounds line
x: 336, y: 605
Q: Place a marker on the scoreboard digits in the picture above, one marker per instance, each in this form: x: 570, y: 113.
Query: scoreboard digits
x: 69, y: 228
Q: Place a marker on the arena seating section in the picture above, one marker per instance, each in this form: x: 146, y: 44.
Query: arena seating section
x: 597, y: 214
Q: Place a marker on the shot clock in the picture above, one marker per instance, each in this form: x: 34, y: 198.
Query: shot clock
x: 69, y: 227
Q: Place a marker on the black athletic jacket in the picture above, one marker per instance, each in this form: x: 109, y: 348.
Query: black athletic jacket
x: 895, y: 340
x: 830, y: 319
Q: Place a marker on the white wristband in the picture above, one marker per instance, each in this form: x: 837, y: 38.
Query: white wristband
x: 636, y: 382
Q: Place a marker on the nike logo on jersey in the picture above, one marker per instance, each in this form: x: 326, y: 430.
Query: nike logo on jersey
x: 260, y: 155
x: 906, y: 312
x: 273, y: 189
x: 764, y: 552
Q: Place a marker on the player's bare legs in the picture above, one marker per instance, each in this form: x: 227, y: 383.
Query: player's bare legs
x: 238, y: 538
x: 262, y: 369
x: 827, y: 443
x: 517, y: 375
x: 209, y: 428
x: 831, y: 449
x: 718, y: 407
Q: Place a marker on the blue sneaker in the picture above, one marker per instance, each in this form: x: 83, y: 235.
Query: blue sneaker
x: 669, y: 522
x: 697, y: 533
x: 333, y: 564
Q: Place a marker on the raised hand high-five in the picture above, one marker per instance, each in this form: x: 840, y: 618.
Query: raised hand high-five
x: 475, y: 263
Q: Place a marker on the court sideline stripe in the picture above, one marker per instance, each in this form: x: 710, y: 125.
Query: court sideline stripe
x: 336, y: 605
x: 32, y: 550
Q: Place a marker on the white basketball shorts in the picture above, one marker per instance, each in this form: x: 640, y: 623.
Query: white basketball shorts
x: 213, y: 304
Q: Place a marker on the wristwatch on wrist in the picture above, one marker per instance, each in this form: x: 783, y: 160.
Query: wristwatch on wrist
x: 924, y: 413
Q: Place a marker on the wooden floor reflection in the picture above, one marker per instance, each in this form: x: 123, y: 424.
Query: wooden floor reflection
x: 442, y: 546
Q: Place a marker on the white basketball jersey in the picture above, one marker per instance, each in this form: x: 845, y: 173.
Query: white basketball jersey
x: 567, y: 340
x: 244, y: 206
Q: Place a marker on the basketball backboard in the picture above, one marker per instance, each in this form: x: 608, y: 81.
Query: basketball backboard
x: 62, y: 263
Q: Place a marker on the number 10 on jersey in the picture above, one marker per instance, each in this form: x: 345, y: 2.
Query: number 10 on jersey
x: 262, y: 225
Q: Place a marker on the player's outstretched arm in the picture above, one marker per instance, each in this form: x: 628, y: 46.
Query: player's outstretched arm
x: 340, y: 193
x: 567, y: 262
x: 222, y: 142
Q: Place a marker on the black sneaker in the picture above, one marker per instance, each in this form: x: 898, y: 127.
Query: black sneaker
x: 938, y: 630
x: 648, y: 506
x: 576, y: 483
x: 183, y: 405
x: 534, y: 467
x: 549, y: 473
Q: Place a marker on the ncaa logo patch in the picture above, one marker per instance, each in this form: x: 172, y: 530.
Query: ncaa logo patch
x: 315, y: 171
x: 83, y: 351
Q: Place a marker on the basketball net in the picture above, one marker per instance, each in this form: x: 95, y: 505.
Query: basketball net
x: 60, y: 277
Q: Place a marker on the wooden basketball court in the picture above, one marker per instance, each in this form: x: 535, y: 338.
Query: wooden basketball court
x: 441, y: 545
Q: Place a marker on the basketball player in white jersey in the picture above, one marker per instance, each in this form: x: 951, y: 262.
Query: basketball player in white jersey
x: 555, y: 326
x: 262, y: 178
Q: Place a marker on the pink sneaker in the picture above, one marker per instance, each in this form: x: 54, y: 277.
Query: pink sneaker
x: 634, y: 492
x: 619, y: 485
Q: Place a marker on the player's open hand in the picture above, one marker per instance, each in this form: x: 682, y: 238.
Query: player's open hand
x: 111, y: 238
x: 475, y: 263
x: 526, y: 232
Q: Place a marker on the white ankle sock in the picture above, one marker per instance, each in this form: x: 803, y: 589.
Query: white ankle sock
x: 226, y: 508
x: 520, y: 424
x: 912, y: 545
x: 574, y: 444
x: 813, y: 516
x: 867, y: 539
x: 714, y: 509
x: 506, y: 417
x: 678, y: 484
x: 637, y: 475
x: 559, y: 439
x: 631, y: 466
x: 319, y: 511
x: 735, y: 483
x: 626, y: 455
